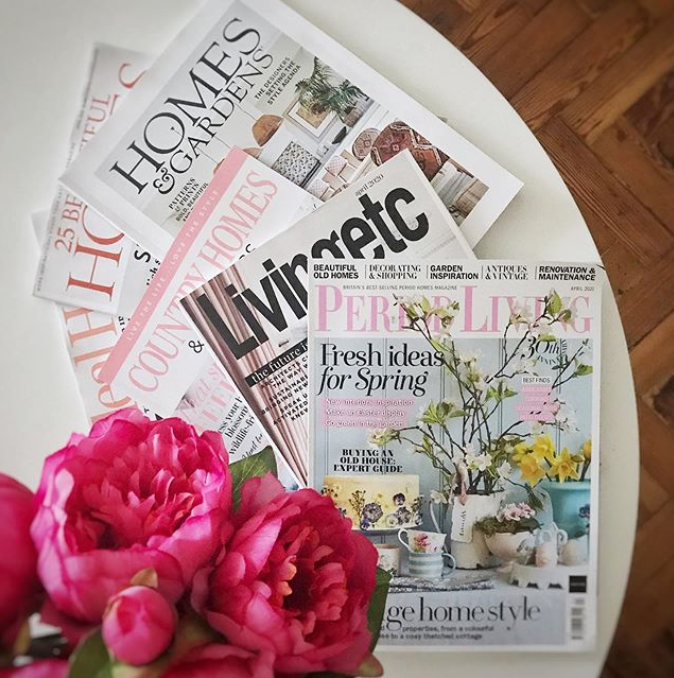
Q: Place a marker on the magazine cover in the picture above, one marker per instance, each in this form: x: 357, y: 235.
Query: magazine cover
x: 253, y: 316
x: 245, y: 205
x: 85, y: 260
x: 254, y: 74
x: 89, y: 337
x: 210, y: 403
x: 455, y: 421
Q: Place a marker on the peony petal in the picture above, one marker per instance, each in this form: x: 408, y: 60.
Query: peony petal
x: 257, y: 547
x: 19, y: 584
x: 256, y: 493
x: 195, y: 542
x: 81, y: 585
x: 223, y: 661
x: 131, y: 495
x: 364, y: 565
x: 230, y: 572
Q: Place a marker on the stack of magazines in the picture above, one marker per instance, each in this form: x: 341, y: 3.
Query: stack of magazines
x: 258, y: 233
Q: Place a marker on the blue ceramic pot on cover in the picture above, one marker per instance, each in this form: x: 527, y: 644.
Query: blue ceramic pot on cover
x: 570, y: 505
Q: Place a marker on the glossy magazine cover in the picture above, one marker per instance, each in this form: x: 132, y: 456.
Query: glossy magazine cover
x: 245, y: 205
x: 85, y: 260
x: 254, y: 74
x: 455, y: 421
x: 209, y: 404
x: 253, y: 315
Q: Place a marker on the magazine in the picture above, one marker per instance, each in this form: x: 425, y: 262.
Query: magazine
x: 85, y: 260
x: 89, y: 336
x: 253, y: 315
x: 254, y: 74
x: 457, y: 426
x: 245, y: 205
x: 210, y: 403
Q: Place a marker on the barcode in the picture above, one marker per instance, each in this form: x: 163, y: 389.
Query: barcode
x: 578, y: 619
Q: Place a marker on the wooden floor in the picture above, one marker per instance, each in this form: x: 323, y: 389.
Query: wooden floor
x: 594, y: 80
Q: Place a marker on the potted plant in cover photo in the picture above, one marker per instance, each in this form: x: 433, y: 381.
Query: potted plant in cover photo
x: 467, y: 439
x: 508, y: 531
x: 563, y: 476
x: 319, y: 94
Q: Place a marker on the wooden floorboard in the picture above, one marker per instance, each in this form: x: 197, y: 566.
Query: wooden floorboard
x: 594, y: 80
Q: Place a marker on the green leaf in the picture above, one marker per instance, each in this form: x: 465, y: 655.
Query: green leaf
x: 530, y: 524
x: 375, y: 614
x: 91, y: 658
x: 582, y: 370
x: 147, y: 577
x: 438, y: 346
x: 154, y: 670
x: 534, y: 500
x: 251, y: 467
x: 554, y: 304
x: 411, y: 312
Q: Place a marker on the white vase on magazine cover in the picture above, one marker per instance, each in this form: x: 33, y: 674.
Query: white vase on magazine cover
x: 468, y: 546
x: 507, y: 547
x: 576, y: 551
x: 473, y: 554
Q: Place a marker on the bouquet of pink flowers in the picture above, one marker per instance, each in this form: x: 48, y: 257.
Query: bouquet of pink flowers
x: 152, y: 556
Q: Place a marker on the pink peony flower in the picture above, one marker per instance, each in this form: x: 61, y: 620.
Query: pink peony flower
x: 45, y: 668
x: 19, y: 584
x: 132, y: 495
x: 218, y: 661
x: 138, y: 625
x: 515, y: 512
x: 525, y: 510
x: 294, y: 579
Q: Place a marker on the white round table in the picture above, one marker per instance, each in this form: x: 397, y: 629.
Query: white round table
x: 44, y: 49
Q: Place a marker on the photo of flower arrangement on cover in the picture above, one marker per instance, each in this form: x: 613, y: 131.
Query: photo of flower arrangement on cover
x: 457, y: 433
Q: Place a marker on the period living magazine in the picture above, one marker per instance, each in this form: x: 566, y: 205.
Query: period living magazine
x: 254, y: 74
x: 253, y: 315
x: 455, y: 421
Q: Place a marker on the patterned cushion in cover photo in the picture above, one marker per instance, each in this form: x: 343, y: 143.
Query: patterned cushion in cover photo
x: 399, y: 136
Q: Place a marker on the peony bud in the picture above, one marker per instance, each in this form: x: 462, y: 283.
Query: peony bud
x: 138, y: 625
